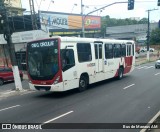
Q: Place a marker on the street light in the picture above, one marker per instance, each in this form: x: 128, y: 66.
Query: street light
x: 85, y: 7
x: 73, y: 7
x: 93, y: 12
x: 148, y: 32
x: 100, y: 12
x: 95, y: 8
x: 38, y: 5
x: 83, y: 17
x: 51, y: 1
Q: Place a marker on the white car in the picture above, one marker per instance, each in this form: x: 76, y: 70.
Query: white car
x: 157, y: 64
x: 151, y: 49
x: 145, y: 49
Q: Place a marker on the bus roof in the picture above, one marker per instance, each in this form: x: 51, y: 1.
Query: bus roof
x: 91, y: 40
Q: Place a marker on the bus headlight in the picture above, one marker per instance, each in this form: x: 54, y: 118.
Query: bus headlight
x: 57, y: 80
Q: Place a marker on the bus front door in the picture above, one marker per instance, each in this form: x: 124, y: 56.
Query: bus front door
x: 98, y: 60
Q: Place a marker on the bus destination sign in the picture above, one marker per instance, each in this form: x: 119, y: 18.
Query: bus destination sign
x: 42, y: 44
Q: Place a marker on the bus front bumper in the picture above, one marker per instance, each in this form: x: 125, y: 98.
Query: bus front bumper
x: 57, y: 87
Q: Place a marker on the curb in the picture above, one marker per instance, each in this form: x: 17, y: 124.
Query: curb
x: 144, y: 61
x: 10, y: 93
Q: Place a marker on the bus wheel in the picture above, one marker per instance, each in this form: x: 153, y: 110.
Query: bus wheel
x: 120, y: 73
x: 82, y: 84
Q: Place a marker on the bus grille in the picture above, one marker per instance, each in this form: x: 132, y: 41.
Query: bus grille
x: 47, y: 88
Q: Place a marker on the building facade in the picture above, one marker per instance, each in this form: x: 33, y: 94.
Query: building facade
x: 138, y: 31
x: 19, y: 40
x: 14, y: 7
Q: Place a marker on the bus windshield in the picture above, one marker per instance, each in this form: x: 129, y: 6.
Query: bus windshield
x: 42, y: 59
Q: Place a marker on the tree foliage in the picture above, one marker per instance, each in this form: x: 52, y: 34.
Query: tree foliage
x: 110, y: 22
x: 155, y: 36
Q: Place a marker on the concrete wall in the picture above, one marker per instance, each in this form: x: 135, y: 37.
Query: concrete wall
x: 139, y: 31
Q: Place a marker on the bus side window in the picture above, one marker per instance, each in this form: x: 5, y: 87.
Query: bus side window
x: 123, y: 50
x: 108, y: 51
x: 67, y: 58
x: 129, y: 53
x: 117, y: 50
x: 84, y: 52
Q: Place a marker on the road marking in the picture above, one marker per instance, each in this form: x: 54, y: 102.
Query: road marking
x: 149, y: 67
x: 9, y: 107
x: 151, y: 121
x: 156, y: 74
x: 58, y: 117
x: 129, y: 86
x: 141, y: 67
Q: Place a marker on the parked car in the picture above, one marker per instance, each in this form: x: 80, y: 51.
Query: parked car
x: 145, y: 49
x: 6, y: 74
x: 151, y: 49
x: 157, y: 64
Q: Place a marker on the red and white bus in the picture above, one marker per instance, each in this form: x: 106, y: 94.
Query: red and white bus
x: 64, y: 63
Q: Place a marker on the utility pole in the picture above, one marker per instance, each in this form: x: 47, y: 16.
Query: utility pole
x: 11, y: 49
x: 33, y: 14
x: 83, y: 32
x: 148, y: 33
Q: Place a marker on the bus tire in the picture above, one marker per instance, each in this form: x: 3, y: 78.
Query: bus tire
x: 82, y: 84
x: 1, y: 81
x: 21, y: 78
x: 120, y: 73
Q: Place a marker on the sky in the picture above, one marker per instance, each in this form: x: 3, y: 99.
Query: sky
x: 114, y: 11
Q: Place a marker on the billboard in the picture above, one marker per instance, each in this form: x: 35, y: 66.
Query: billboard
x: 92, y: 22
x: 62, y: 21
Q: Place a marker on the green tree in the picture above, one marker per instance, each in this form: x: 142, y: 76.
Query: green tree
x: 155, y: 36
x: 143, y: 21
x: 106, y: 21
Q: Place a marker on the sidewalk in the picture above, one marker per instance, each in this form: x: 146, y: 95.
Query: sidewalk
x: 25, y: 76
x: 9, y: 93
x: 140, y: 61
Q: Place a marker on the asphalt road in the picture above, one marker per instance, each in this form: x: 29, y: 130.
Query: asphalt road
x: 134, y: 99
